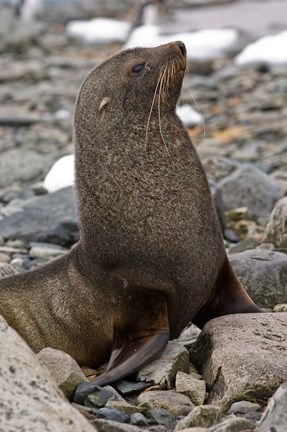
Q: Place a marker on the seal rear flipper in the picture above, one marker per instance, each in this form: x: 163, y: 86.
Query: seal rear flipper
x: 229, y: 297
x: 133, y: 355
x: 126, y: 360
x: 139, y: 338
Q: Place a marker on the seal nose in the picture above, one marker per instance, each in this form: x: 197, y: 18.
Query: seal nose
x: 182, y: 48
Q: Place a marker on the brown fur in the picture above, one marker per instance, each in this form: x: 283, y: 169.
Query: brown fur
x: 149, y: 231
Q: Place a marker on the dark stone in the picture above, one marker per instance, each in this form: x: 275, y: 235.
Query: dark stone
x: 113, y: 414
x: 98, y: 399
x: 161, y: 416
x: 127, y: 388
x: 50, y: 218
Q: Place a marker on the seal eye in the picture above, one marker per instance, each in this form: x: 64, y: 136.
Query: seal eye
x: 138, y: 68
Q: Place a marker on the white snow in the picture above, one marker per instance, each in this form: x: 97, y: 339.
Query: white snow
x: 188, y: 115
x: 200, y: 45
x: 99, y: 30
x: 269, y: 49
x: 61, y: 174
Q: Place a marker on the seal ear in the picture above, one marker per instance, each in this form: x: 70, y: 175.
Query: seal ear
x: 104, y: 104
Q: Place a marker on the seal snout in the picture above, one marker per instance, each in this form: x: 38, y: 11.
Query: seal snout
x: 182, y: 47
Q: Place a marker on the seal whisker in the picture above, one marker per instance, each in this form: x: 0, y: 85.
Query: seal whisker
x: 151, y: 108
x: 166, y: 70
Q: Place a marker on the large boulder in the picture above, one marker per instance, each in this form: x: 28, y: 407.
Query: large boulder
x: 274, y: 418
x: 264, y: 275
x: 242, y: 357
x: 48, y: 218
x: 252, y: 188
x: 30, y: 400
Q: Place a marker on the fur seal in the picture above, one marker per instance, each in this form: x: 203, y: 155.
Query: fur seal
x: 151, y: 256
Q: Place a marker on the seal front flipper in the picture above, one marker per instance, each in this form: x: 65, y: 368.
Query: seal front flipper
x: 229, y: 297
x: 138, y: 338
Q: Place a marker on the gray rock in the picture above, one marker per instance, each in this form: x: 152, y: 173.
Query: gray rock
x: 64, y: 369
x: 175, y: 403
x: 138, y: 419
x: 189, y: 335
x: 232, y: 368
x: 113, y: 426
x: 276, y: 229
x: 124, y: 406
x: 6, y: 270
x: 195, y: 429
x: 233, y: 425
x: 128, y: 388
x: 47, y: 218
x: 247, y: 244
x: 264, y: 275
x: 30, y: 399
x: 191, y: 387
x: 163, y: 370
x: 113, y: 414
x: 243, y: 407
x: 201, y: 416
x: 161, y: 417
x: 45, y: 252
x: 98, y: 398
x: 217, y: 168
x: 275, y: 416
x: 280, y: 308
x: 22, y: 166
x: 251, y: 188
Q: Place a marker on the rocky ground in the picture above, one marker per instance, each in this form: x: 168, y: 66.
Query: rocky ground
x: 221, y: 380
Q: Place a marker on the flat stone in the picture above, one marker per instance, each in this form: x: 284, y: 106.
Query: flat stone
x: 232, y: 368
x: 191, y: 387
x: 176, y: 403
x: 264, y: 275
x: 113, y: 426
x: 274, y: 418
x: 128, y: 388
x: 47, y: 218
x: 64, y: 369
x: 30, y: 399
x: 124, y: 406
x: 276, y: 229
x: 195, y: 429
x: 243, y: 407
x: 233, y: 425
x: 280, y: 308
x: 162, y: 417
x: 113, y: 414
x: 44, y: 253
x: 98, y: 398
x: 201, y: 416
x: 163, y: 370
